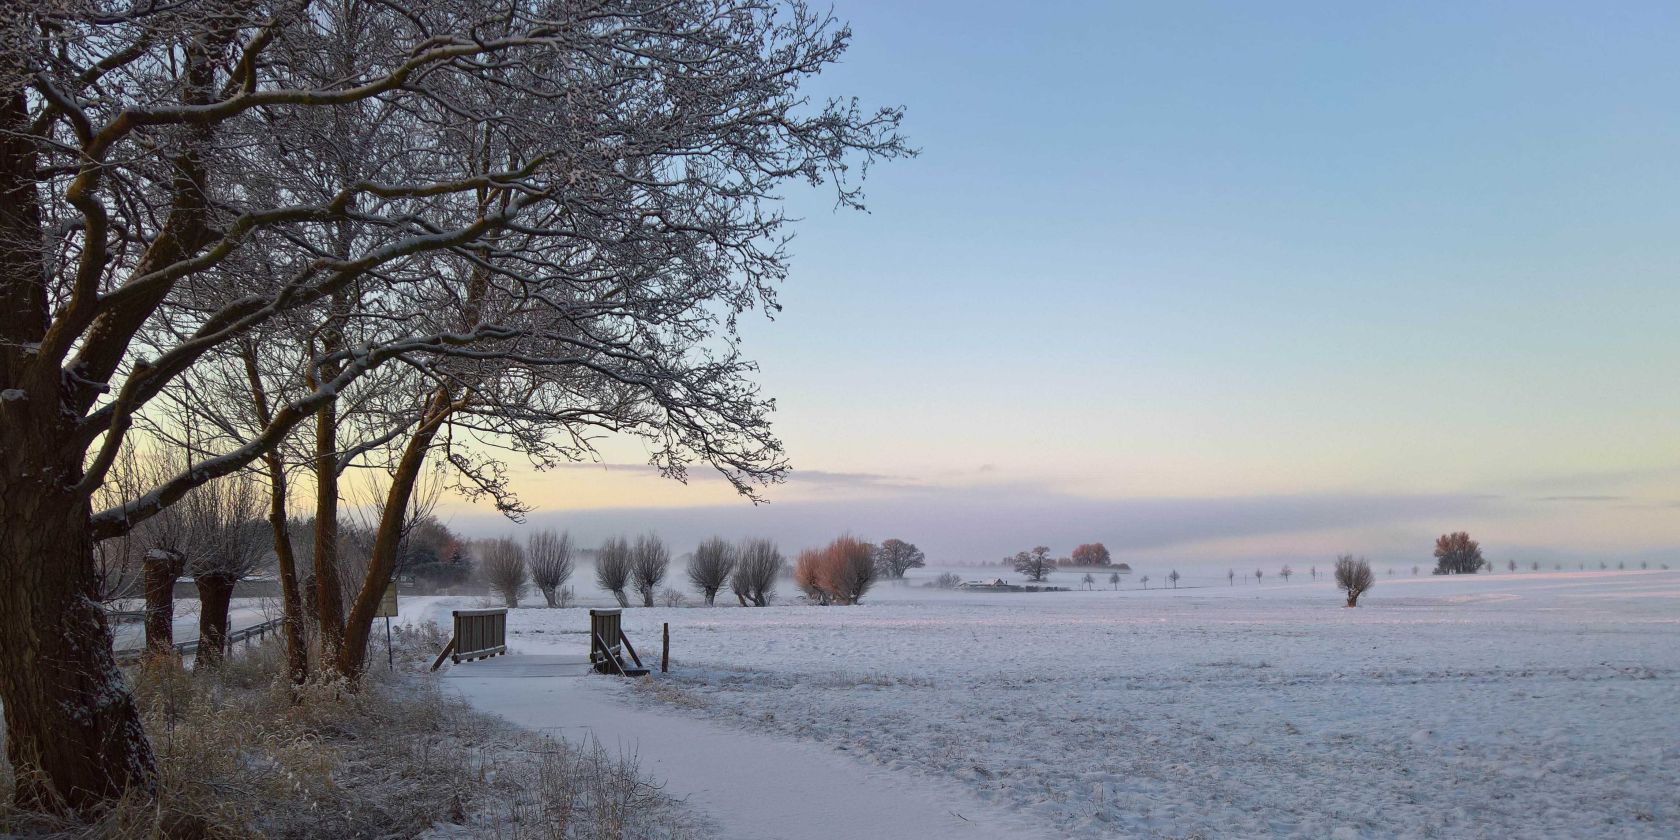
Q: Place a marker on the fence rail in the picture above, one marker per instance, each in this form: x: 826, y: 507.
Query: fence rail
x: 256, y: 631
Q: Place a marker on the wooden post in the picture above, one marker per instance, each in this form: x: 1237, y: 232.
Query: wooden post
x: 665, y: 650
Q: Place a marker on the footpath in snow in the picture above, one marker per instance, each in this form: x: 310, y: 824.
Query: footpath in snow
x: 751, y: 786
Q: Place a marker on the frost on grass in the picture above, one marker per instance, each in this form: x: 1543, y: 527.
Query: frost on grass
x: 1217, y: 712
x: 243, y: 755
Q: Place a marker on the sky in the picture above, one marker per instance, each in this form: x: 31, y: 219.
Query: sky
x: 1225, y: 281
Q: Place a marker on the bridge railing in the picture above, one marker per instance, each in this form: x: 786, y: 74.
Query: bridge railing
x: 479, y: 634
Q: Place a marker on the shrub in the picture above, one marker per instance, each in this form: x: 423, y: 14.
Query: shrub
x: 671, y: 597
x: 947, y: 580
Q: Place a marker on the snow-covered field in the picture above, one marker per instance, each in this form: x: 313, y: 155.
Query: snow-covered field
x: 1512, y: 705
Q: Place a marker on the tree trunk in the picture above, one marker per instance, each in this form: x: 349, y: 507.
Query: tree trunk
x: 291, y: 600
x: 329, y: 597
x: 215, y: 592
x: 160, y: 569
x: 711, y: 596
x: 1353, y: 599
x: 383, y: 562
x: 73, y: 734
x: 548, y: 595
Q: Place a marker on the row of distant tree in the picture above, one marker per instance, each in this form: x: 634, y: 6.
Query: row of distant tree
x: 1455, y: 554
x: 841, y: 572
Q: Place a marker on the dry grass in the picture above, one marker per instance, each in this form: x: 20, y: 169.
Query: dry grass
x: 243, y: 755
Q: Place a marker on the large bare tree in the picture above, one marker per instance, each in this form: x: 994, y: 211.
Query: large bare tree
x: 152, y: 155
x: 709, y: 567
x: 550, y: 556
x: 756, y: 570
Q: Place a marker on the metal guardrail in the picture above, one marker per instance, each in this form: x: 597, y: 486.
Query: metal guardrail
x: 131, y: 655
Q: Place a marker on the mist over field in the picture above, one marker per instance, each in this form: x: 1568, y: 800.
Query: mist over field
x: 971, y: 526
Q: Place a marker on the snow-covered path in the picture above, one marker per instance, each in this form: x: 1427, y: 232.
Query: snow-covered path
x: 750, y: 786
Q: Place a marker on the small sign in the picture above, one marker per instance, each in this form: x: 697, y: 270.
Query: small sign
x: 388, y: 602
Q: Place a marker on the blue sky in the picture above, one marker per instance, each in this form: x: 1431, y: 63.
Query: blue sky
x: 1243, y: 252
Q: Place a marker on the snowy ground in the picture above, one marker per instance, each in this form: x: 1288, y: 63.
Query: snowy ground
x: 1514, y: 705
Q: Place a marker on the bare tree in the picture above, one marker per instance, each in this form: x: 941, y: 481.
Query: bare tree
x: 756, y: 568
x: 1231, y: 577
x: 709, y: 567
x: 1313, y: 570
x: 1114, y: 580
x: 650, y: 560
x: 550, y: 557
x: 808, y: 575
x: 226, y: 540
x: 849, y: 570
x: 1258, y: 573
x: 1285, y: 572
x: 154, y: 160
x: 1173, y: 577
x: 894, y: 557
x: 1035, y: 564
x: 612, y: 568
x: 1088, y: 581
x: 1145, y: 581
x: 1354, y: 577
x: 839, y: 573
x: 502, y: 561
